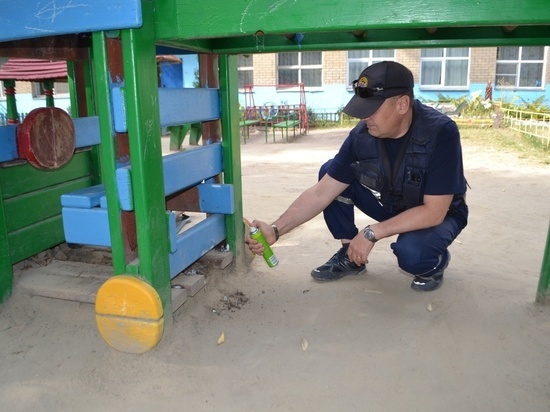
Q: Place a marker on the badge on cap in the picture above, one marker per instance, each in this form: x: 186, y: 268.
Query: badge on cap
x: 363, y: 82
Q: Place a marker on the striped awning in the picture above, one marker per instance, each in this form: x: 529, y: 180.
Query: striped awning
x: 33, y: 70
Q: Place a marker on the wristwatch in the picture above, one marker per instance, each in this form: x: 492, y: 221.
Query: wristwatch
x: 369, y: 234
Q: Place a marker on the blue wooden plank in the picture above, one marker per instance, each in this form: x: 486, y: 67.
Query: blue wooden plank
x: 181, y: 106
x: 87, y: 131
x: 216, y: 198
x: 86, y: 226
x: 182, y: 170
x: 123, y: 179
x: 195, y: 242
x: 84, y: 198
x: 8, y: 145
x: 177, y: 106
x: 86, y: 134
x: 25, y: 19
x: 190, y: 167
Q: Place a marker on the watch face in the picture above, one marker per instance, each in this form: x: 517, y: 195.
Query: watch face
x: 369, y: 234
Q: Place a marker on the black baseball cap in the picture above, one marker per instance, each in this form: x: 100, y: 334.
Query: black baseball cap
x: 375, y: 84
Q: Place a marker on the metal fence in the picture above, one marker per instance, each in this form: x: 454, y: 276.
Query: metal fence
x: 530, y: 123
x: 4, y: 118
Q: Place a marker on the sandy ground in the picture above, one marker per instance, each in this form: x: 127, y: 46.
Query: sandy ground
x: 367, y: 343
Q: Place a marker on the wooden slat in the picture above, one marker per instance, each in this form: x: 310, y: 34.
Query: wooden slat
x: 36, y: 238
x: 25, y: 178
x: 25, y: 19
x: 28, y: 209
x: 196, y: 242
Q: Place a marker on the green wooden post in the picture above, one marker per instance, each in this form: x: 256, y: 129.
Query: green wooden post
x: 48, y: 92
x: 11, y: 103
x: 143, y: 120
x: 232, y: 152
x: 6, y: 269
x: 544, y: 280
x: 108, y: 150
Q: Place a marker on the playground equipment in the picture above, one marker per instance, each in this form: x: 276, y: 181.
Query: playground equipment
x: 275, y: 117
x: 117, y: 181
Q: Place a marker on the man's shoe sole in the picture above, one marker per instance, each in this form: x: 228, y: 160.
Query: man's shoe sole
x: 339, y: 276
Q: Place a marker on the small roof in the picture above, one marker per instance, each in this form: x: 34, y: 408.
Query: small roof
x: 33, y: 70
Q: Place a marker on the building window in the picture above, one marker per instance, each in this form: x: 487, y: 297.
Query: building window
x: 60, y: 89
x: 519, y: 67
x: 302, y: 67
x: 358, y: 60
x: 2, y: 92
x: 245, y: 69
x: 444, y: 68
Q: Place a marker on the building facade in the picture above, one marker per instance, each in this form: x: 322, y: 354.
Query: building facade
x: 517, y: 75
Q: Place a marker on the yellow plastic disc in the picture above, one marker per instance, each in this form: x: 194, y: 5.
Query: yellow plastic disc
x: 129, y: 314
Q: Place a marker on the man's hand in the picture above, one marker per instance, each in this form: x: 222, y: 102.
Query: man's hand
x: 359, y: 249
x: 256, y: 247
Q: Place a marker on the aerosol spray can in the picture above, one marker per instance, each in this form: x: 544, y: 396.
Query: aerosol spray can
x: 269, y: 256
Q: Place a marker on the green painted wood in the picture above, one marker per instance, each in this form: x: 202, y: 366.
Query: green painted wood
x: 387, y: 39
x: 6, y: 270
x: 231, y: 152
x: 142, y: 108
x: 31, y: 240
x: 192, y: 20
x: 544, y: 280
x: 107, y: 149
x: 11, y: 101
x: 22, y: 179
x: 30, y: 208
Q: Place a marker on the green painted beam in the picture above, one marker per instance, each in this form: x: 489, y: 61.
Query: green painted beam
x: 188, y: 19
x: 232, y: 153
x: 107, y: 148
x: 544, y: 280
x: 144, y: 131
x: 386, y: 39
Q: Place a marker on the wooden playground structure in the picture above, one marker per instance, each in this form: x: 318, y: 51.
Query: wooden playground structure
x: 98, y: 177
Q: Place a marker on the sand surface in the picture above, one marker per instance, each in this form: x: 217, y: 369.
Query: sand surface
x: 367, y: 343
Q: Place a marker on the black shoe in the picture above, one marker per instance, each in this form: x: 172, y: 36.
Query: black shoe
x: 337, y: 267
x: 433, y: 282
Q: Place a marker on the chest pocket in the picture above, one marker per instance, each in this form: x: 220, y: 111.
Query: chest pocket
x: 369, y: 174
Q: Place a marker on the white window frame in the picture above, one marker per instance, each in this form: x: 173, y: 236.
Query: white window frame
x: 300, y: 67
x: 247, y: 68
x: 36, y: 91
x: 367, y: 61
x: 519, y: 62
x: 444, y: 60
x: 2, y: 91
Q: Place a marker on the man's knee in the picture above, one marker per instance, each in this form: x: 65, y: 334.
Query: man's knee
x: 416, y: 256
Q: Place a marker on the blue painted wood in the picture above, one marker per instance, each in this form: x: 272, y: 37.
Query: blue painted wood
x: 195, y: 242
x: 190, y: 167
x: 84, y: 198
x: 123, y: 179
x: 25, y: 19
x: 103, y: 202
x: 172, y: 231
x: 182, y: 170
x: 216, y: 198
x: 8, y: 145
x: 86, y: 226
x: 87, y: 131
x: 177, y: 106
x: 181, y: 106
x: 86, y: 134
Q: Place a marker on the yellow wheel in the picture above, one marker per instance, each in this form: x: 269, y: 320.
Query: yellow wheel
x: 129, y: 314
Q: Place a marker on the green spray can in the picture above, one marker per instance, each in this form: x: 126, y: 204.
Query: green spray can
x: 269, y: 256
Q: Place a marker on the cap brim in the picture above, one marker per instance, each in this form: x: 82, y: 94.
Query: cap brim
x: 362, y: 108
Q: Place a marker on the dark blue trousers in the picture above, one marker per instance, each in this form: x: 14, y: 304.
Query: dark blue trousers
x: 420, y: 252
